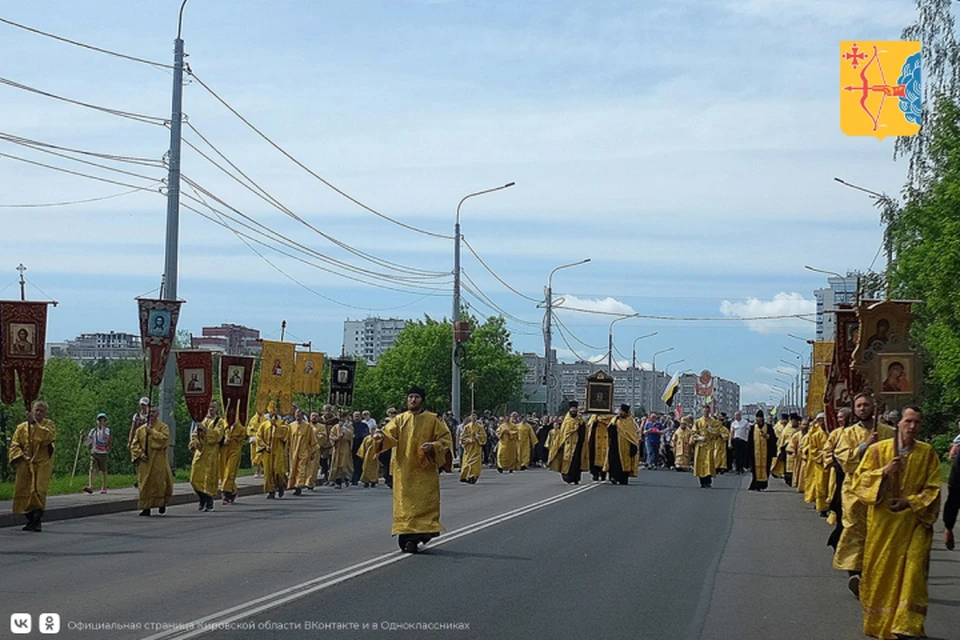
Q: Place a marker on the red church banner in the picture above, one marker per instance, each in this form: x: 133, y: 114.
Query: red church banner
x: 23, y: 335
x: 236, y: 375
x: 158, y: 328
x: 196, y: 376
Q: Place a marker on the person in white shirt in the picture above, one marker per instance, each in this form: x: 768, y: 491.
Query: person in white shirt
x: 739, y: 441
x: 98, y: 439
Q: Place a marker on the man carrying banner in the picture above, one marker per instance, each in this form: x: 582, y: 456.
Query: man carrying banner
x: 149, y: 452
x: 31, y: 454
x: 205, y: 469
x: 272, y: 437
x: 422, y: 448
x: 230, y: 451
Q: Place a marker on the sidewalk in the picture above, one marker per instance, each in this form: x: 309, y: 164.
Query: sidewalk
x: 80, y: 505
x: 776, y: 580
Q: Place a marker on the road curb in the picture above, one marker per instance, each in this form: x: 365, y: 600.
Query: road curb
x: 113, y: 506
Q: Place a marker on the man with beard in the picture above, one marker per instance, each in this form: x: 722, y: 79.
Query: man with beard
x: 849, y: 452
x: 508, y: 448
x: 624, y: 447
x: 568, y: 454
x: 598, y: 444
x: 761, y: 446
x: 706, y: 432
x: 422, y: 447
x: 472, y: 438
x: 303, y: 449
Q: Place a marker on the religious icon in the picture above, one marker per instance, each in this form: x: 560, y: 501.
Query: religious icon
x: 308, y: 369
x: 897, y: 370
x: 343, y: 376
x: 277, y: 368
x: 881, y: 337
x: 158, y: 323
x: 24, y: 342
x: 195, y: 381
x: 234, y: 376
x: 852, y: 328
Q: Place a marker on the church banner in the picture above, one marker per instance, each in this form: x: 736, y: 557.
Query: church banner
x: 309, y: 372
x: 817, y: 387
x: 23, y: 335
x: 236, y: 375
x: 277, y: 372
x: 158, y: 328
x: 196, y: 376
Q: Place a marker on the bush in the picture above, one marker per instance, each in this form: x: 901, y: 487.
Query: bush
x: 941, y: 445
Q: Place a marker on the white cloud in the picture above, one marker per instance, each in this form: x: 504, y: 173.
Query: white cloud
x: 757, y: 392
x: 782, y: 304
x: 606, y: 305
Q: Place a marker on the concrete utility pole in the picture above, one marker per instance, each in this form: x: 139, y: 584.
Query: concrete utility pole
x: 548, y: 337
x: 455, y: 378
x: 169, y: 291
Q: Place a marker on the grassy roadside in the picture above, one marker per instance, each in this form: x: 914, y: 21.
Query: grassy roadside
x: 945, y: 470
x: 59, y: 486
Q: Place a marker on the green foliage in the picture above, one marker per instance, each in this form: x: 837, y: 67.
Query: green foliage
x: 422, y: 356
x: 941, y: 444
x: 926, y: 238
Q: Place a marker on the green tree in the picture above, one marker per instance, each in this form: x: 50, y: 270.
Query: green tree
x: 422, y: 356
x: 927, y: 242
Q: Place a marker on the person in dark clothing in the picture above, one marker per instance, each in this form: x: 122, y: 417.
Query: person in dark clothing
x: 360, y: 431
x: 953, y: 503
x: 546, y: 425
x: 573, y: 421
x: 622, y: 425
x: 386, y: 456
x: 761, y: 468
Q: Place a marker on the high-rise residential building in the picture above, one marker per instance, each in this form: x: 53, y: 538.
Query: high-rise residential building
x: 90, y: 347
x: 229, y: 339
x: 371, y: 337
x: 840, y: 291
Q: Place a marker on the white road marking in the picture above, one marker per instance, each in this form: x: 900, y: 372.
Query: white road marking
x: 234, y: 614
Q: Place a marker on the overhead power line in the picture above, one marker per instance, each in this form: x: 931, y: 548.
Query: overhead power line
x: 75, y: 173
x: 310, y: 171
x: 573, y: 335
x: 44, y: 205
x: 85, y: 46
x: 139, y: 117
x: 493, y: 273
x: 262, y: 193
x: 798, y: 316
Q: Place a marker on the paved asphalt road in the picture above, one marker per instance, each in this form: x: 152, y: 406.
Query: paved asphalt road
x: 524, y: 556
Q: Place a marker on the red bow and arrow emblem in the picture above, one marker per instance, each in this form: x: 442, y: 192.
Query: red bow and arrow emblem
x: 865, y: 88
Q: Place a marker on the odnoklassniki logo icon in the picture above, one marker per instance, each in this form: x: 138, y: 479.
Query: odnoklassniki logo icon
x: 880, y: 87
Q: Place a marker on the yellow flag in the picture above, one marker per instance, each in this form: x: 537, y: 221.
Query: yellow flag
x: 277, y: 373
x: 309, y: 372
x: 880, y: 88
x: 822, y: 358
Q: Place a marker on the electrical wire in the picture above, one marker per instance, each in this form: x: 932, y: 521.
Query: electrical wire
x: 574, y: 336
x: 513, y: 330
x: 799, y: 316
x: 278, y: 237
x: 139, y: 117
x: 493, y: 273
x: 310, y: 171
x: 72, y: 202
x: 89, y: 162
x: 85, y: 46
x: 260, y: 192
x: 572, y: 350
x: 75, y: 173
x: 298, y: 258
x: 479, y: 292
x: 27, y: 142
x: 38, y: 289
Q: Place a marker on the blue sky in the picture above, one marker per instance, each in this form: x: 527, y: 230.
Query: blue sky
x: 687, y: 147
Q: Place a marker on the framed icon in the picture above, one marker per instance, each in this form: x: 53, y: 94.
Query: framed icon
x: 896, y: 371
x: 235, y: 376
x: 196, y: 383
x: 23, y: 340
x: 158, y: 323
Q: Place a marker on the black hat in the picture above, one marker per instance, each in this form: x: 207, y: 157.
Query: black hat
x: 760, y: 413
x: 418, y: 391
x: 784, y: 416
x: 794, y: 416
x: 625, y: 407
x: 574, y: 403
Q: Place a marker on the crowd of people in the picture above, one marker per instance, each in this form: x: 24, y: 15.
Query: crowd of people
x: 871, y: 479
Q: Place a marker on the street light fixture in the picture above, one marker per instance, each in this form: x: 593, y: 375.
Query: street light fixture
x: 633, y: 370
x: 843, y: 278
x: 548, y: 333
x: 455, y: 377
x: 667, y: 368
x: 610, y: 342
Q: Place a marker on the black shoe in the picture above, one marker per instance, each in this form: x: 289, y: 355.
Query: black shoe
x: 297, y: 492
x: 499, y: 470
x: 280, y: 491
x: 163, y: 510
x: 271, y: 496
x: 145, y: 512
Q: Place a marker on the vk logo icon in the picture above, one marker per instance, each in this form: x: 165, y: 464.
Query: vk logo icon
x: 21, y: 623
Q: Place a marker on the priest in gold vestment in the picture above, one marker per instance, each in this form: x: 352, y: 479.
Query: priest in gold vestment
x: 568, y: 453
x: 148, y: 450
x: 706, y: 431
x: 623, y: 452
x: 899, y: 481
x: 472, y: 438
x: 422, y: 447
x: 31, y: 454
x: 205, y: 468
x: 272, y: 438
x: 851, y: 446
x: 597, y: 444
